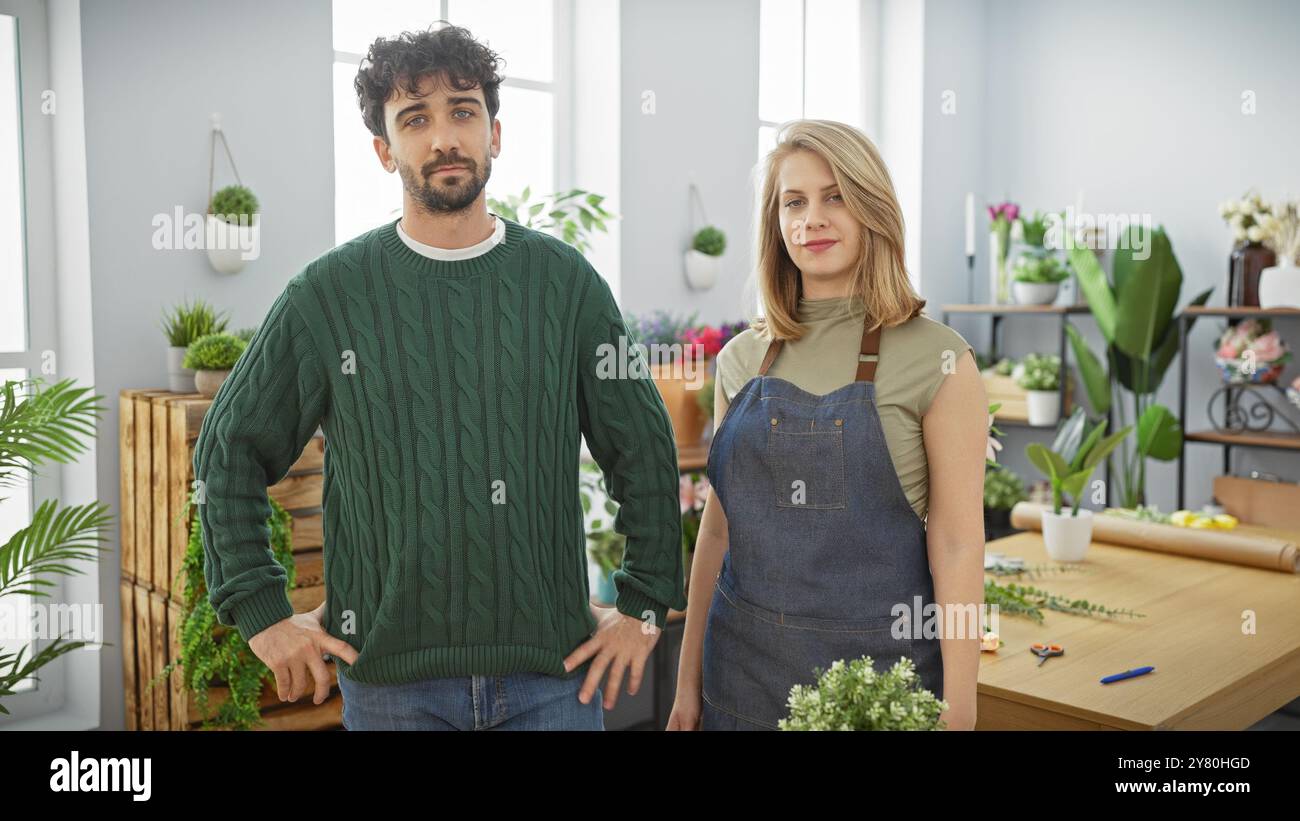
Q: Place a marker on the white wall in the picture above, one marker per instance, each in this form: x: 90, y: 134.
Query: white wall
x: 700, y: 60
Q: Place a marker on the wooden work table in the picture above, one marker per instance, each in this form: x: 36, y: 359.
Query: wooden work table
x: 1208, y: 675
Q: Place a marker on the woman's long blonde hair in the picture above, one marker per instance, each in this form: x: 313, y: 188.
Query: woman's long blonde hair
x: 880, y: 280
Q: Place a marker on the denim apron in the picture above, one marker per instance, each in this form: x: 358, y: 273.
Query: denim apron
x: 822, y: 545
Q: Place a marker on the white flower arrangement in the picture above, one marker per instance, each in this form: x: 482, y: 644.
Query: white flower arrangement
x: 1244, y: 216
x: 1281, y: 231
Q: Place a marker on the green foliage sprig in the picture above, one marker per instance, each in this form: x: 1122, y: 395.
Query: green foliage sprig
x: 214, y: 352
x: 213, y: 653
x: 574, y: 214
x: 188, y: 321
x: 854, y: 696
x: 1002, y: 488
x: 1040, y: 373
x: 39, y: 424
x: 232, y: 202
x: 1045, y: 269
x: 710, y: 240
x: 1022, y: 600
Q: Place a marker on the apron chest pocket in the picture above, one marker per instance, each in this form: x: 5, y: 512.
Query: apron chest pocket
x: 807, y: 468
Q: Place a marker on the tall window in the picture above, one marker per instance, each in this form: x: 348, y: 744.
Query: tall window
x: 522, y: 32
x: 809, y: 64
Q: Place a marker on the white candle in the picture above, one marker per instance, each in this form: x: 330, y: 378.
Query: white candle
x: 970, y: 225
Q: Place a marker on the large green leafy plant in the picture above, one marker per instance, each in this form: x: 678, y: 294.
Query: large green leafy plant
x: 1135, y: 314
x: 40, y: 424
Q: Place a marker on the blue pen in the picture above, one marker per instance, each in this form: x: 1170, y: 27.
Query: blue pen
x: 1141, y: 671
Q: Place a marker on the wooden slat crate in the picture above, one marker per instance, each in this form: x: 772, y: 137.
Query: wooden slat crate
x: 1015, y: 399
x: 157, y: 434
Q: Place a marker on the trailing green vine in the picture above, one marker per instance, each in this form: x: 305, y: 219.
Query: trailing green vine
x: 1022, y: 600
x: 211, y: 652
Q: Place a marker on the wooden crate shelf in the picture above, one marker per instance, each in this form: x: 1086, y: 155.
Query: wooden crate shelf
x: 157, y: 433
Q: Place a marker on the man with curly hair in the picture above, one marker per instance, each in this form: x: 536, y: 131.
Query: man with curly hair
x: 453, y: 359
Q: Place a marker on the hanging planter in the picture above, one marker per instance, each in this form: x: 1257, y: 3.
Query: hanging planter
x: 232, y: 228
x: 704, y: 259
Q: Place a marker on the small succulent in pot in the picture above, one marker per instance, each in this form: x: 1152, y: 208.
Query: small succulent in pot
x: 212, y: 358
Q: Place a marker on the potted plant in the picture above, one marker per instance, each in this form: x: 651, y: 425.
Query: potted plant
x: 677, y: 367
x: 1068, y: 465
x: 1251, y: 352
x: 1250, y: 257
x: 1279, y: 285
x: 184, y: 324
x: 1003, y: 489
x: 41, y: 424
x: 1135, y: 315
x: 1037, y: 278
x: 703, y: 260
x: 212, y: 357
x: 233, y: 226
x: 857, y: 696
x: 1040, y: 377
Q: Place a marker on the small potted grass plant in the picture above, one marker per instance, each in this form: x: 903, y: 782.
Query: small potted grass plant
x: 212, y: 357
x: 182, y: 325
x: 1040, y: 377
x: 233, y: 228
x: 704, y: 259
x: 1068, y: 464
x: 1002, y: 490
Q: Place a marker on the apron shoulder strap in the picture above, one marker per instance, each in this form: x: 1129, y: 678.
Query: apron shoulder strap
x: 868, y: 356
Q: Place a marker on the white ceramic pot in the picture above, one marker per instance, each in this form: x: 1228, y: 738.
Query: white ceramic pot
x: 231, y: 245
x: 1279, y: 286
x: 208, y: 382
x: 702, y: 269
x: 179, y: 378
x: 1044, y: 407
x: 1035, y: 293
x: 1067, y: 537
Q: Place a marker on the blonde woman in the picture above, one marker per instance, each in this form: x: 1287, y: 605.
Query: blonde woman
x: 847, y: 469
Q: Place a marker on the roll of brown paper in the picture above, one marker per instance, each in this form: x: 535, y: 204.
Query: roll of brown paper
x: 1237, y: 546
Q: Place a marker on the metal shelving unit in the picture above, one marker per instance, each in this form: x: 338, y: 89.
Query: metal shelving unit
x: 1226, y: 439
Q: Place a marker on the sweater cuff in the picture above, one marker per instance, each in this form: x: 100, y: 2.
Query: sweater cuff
x: 634, y: 603
x: 261, y: 610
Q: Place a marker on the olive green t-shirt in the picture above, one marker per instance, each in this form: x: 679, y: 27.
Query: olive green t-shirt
x: 910, y: 370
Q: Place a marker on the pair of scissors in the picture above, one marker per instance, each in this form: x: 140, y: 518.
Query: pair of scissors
x: 1046, y: 651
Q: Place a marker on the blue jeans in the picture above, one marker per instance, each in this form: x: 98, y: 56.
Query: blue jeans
x: 516, y: 701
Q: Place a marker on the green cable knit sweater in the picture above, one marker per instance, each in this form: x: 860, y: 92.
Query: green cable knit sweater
x: 452, y: 395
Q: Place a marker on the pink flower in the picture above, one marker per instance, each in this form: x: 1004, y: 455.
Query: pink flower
x: 1228, y: 350
x: 686, y: 492
x: 1268, y: 348
x: 701, y: 492
x: 1012, y: 211
x: 708, y: 337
